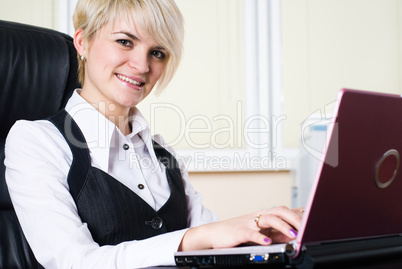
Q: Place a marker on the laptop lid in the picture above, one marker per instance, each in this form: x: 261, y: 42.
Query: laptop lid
x: 359, y: 185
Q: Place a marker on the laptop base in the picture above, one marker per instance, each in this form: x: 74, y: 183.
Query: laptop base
x: 238, y: 257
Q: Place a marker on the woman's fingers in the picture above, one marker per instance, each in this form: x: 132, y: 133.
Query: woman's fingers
x: 293, y: 217
x: 259, y: 238
x: 275, y: 225
x: 279, y: 224
x: 299, y: 211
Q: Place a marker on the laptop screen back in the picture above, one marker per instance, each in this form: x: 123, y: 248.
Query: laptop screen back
x: 358, y: 190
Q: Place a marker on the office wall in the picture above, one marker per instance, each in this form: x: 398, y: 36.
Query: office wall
x: 333, y: 44
x: 36, y: 12
x: 231, y: 194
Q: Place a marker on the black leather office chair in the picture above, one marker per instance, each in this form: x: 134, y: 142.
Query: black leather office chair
x: 38, y: 73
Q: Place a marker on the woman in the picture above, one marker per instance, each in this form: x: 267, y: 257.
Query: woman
x: 78, y: 181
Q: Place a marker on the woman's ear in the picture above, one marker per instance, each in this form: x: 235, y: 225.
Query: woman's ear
x: 79, y: 42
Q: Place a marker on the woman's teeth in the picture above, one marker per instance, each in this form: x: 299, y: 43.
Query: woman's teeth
x: 129, y: 80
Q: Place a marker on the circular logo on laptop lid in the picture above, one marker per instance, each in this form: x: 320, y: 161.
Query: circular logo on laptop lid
x: 387, y: 168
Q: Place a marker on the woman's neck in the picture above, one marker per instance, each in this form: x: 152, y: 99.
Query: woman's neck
x: 118, y: 115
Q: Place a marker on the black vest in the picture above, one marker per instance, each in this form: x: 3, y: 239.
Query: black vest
x: 112, y: 211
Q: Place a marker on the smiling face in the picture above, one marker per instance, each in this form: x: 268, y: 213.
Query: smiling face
x: 122, y: 65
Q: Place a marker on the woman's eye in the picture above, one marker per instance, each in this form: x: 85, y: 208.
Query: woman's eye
x: 124, y: 42
x: 158, y: 54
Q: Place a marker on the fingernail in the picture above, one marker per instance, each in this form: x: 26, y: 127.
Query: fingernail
x: 293, y: 232
x: 267, y: 240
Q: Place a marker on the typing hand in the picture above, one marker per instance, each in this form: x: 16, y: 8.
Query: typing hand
x: 279, y: 224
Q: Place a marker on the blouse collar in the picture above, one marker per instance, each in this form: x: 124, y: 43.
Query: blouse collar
x: 100, y: 131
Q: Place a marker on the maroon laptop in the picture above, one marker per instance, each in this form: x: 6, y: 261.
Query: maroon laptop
x: 358, y: 190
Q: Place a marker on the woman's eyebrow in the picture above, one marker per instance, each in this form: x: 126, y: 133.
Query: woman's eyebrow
x: 160, y: 48
x: 130, y: 35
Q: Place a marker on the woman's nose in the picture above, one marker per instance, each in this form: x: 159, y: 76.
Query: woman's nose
x: 139, y: 60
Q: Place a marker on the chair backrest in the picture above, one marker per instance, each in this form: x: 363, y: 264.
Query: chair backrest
x: 38, y: 73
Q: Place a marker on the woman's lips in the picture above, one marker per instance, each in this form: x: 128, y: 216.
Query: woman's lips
x: 134, y: 82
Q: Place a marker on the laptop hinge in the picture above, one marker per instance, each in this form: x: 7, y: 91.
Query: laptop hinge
x: 339, y: 254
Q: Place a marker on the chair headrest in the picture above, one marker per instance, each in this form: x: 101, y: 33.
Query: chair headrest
x: 38, y: 70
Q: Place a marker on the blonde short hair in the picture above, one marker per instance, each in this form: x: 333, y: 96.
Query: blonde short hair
x: 160, y: 20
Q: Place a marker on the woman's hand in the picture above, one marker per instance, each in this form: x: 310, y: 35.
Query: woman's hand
x: 264, y: 227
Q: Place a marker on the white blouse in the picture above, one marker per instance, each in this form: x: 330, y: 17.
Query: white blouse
x: 37, y: 163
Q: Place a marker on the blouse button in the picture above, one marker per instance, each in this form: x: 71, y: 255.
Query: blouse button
x: 140, y: 186
x: 126, y: 147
